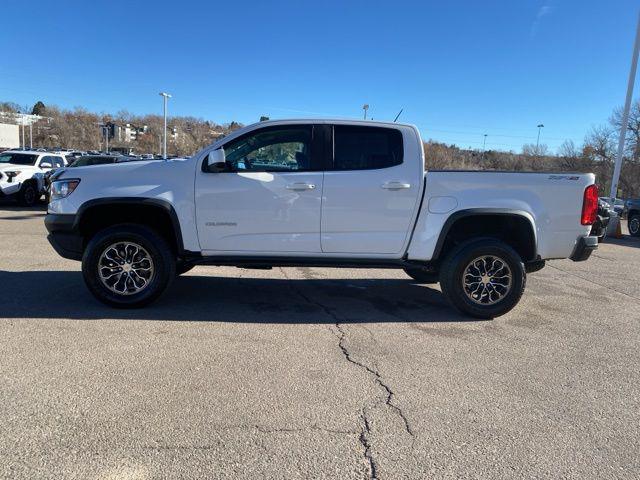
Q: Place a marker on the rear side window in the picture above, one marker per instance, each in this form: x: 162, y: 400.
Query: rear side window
x: 366, y: 148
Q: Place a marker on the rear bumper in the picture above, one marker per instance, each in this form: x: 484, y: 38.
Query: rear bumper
x: 583, y: 249
x: 63, y: 235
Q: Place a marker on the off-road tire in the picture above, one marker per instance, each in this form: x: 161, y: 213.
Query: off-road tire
x: 454, y: 265
x: 422, y: 276
x: 164, y: 264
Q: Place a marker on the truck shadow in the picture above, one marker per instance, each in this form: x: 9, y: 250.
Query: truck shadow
x: 63, y: 295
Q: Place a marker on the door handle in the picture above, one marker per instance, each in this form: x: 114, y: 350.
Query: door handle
x: 396, y: 186
x: 300, y: 186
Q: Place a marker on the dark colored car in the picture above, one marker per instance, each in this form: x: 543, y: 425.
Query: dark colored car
x: 87, y: 161
x: 632, y: 208
x: 599, y: 227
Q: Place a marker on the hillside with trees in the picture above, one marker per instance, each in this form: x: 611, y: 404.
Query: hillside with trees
x: 596, y: 154
x: 80, y: 129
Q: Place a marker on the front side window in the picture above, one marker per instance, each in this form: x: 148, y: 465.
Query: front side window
x: 47, y: 159
x: 282, y: 149
x: 366, y: 148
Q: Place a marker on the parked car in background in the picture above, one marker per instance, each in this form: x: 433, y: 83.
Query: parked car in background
x: 599, y: 227
x: 22, y: 173
x: 73, y: 154
x: 617, y: 204
x: 86, y: 161
x: 632, y: 208
x: 336, y: 193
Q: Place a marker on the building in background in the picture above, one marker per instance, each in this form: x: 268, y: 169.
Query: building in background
x: 124, y: 132
x: 9, y: 136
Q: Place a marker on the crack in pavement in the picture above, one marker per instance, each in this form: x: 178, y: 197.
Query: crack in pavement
x: 268, y: 431
x: 261, y: 429
x: 341, y: 335
x: 364, y: 440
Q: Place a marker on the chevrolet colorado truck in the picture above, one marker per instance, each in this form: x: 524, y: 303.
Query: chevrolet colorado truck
x: 334, y: 193
x: 22, y: 174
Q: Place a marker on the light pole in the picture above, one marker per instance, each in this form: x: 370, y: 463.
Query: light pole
x: 365, y: 107
x: 24, y: 146
x: 625, y: 115
x: 540, y: 127
x: 165, y: 96
x: 105, y: 129
x: 484, y: 144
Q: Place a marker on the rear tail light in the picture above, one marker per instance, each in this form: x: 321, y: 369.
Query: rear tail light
x: 589, y: 205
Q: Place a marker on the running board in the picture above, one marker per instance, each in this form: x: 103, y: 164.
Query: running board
x: 269, y: 262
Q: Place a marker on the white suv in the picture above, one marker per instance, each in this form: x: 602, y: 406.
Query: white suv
x: 22, y: 173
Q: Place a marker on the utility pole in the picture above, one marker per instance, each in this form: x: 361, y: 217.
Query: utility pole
x: 105, y: 130
x: 365, y: 107
x: 484, y: 143
x: 30, y: 135
x: 165, y: 96
x: 540, y: 127
x: 24, y: 145
x: 625, y: 114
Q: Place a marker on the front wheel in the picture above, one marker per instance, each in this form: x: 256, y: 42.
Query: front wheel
x: 483, y: 278
x: 127, y: 266
x: 28, y: 195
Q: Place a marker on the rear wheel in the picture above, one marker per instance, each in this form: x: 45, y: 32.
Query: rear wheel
x: 483, y: 278
x: 422, y: 276
x: 634, y: 225
x: 28, y: 195
x: 127, y: 266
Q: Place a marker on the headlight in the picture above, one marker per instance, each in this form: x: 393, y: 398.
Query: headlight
x: 63, y: 188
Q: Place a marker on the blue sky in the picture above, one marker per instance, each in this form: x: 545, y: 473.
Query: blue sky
x: 459, y: 69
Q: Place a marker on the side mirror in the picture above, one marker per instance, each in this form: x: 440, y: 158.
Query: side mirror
x: 46, y: 165
x: 216, y: 161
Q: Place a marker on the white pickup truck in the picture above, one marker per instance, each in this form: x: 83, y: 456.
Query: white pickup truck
x: 22, y: 173
x: 319, y: 193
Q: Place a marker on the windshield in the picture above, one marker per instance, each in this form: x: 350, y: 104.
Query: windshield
x: 18, y: 158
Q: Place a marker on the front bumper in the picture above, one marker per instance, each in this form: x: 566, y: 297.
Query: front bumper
x: 64, y: 236
x: 9, y: 188
x: 583, y: 249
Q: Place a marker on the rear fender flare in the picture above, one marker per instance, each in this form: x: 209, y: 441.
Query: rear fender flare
x: 454, y: 217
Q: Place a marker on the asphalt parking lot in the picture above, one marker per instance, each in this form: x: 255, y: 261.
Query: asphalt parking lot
x: 315, y: 373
